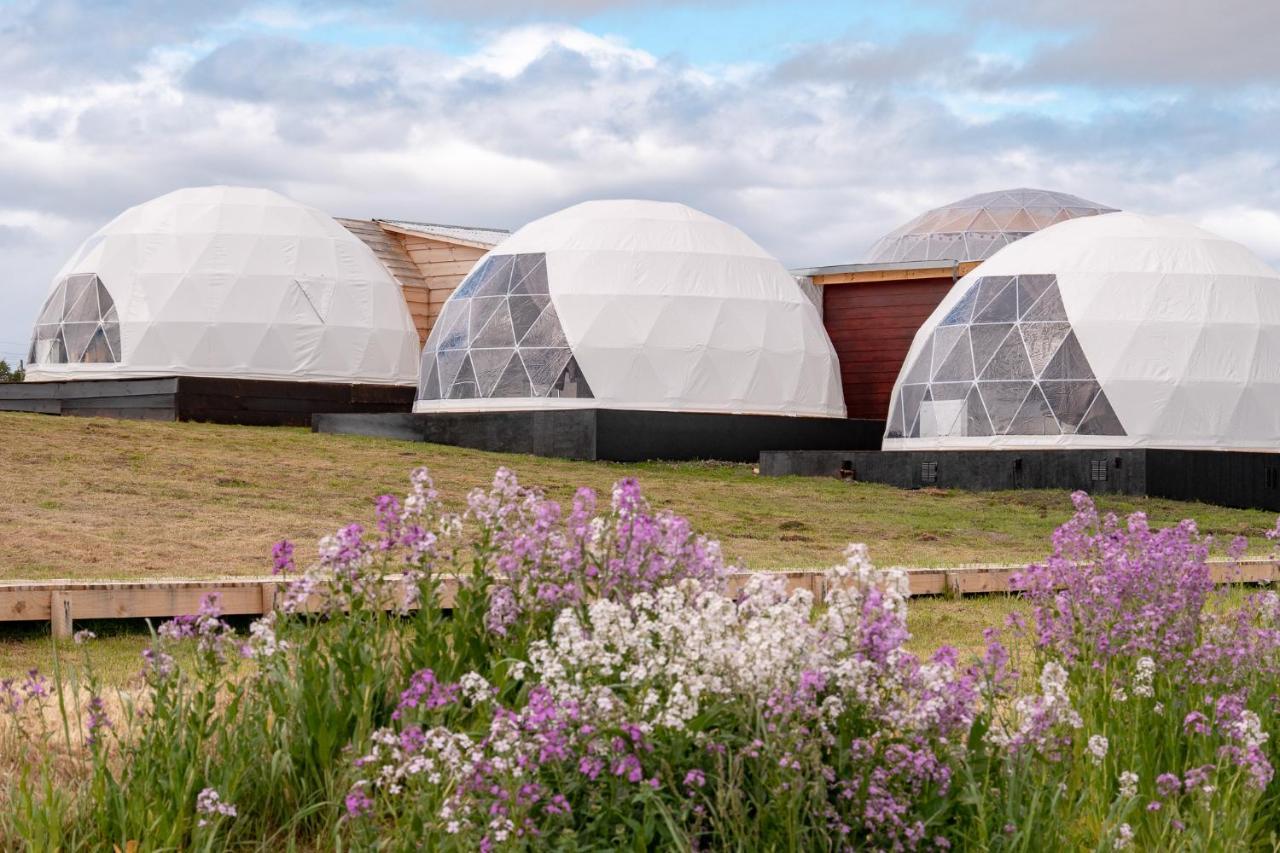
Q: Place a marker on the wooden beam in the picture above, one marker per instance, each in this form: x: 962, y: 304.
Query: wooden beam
x: 60, y: 602
x: 876, y: 276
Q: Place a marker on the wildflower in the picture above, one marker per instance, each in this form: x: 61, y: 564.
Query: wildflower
x: 1143, y: 677
x: 1168, y: 785
x: 1097, y: 748
x: 96, y: 720
x: 205, y: 625
x: 425, y: 692
x: 475, y: 688
x: 357, y: 802
x: 282, y: 557
x: 1154, y: 806
x: 35, y: 686
x: 157, y: 663
x: 1195, y: 722
x: 1124, y: 837
x: 1128, y: 784
x: 83, y: 636
x: 1197, y: 779
x: 263, y: 642
x: 209, y: 804
x: 695, y: 778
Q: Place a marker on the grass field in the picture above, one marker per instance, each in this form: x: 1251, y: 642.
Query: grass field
x: 90, y: 498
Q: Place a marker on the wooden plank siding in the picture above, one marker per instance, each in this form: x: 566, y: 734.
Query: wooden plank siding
x: 442, y: 267
x: 872, y: 323
x: 427, y: 270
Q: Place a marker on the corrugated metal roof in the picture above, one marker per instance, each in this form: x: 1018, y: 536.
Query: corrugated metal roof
x: 904, y: 266
x: 467, y: 233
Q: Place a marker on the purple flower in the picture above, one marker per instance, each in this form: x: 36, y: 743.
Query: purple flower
x: 282, y: 557
x: 1168, y: 785
x: 1195, y: 723
x: 96, y: 721
x: 358, y: 803
x: 695, y: 778
x: 426, y: 693
x: 209, y: 804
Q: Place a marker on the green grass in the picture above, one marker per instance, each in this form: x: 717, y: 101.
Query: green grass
x: 90, y: 498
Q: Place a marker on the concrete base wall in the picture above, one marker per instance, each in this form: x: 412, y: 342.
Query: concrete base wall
x: 197, y: 398
x: 613, y: 435
x: 1227, y: 478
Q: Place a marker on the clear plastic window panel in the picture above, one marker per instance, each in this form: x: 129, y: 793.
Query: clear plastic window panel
x: 1003, y: 361
x: 77, y: 325
x: 975, y: 228
x: 499, y: 336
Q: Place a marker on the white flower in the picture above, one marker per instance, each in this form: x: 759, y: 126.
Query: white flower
x: 1128, y: 784
x: 1248, y: 730
x: 83, y: 636
x: 262, y: 638
x: 1124, y: 837
x: 1118, y: 694
x: 475, y: 688
x: 1158, y: 708
x: 210, y: 804
x: 1097, y: 748
x: 1142, y: 679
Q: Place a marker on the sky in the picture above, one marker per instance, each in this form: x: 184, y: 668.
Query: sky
x: 813, y: 126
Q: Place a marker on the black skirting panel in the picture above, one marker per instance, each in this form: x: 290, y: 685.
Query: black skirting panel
x: 195, y: 398
x: 1227, y: 478
x: 613, y: 435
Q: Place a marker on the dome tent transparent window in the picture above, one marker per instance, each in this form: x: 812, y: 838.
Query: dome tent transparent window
x: 975, y: 228
x: 1004, y: 361
x: 78, y: 325
x: 498, y: 335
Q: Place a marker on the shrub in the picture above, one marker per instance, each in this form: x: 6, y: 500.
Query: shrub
x: 594, y: 683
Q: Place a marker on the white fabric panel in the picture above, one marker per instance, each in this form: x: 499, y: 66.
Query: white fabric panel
x: 1180, y: 327
x: 668, y: 308
x: 244, y: 283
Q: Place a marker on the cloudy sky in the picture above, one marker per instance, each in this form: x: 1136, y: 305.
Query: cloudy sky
x: 814, y: 126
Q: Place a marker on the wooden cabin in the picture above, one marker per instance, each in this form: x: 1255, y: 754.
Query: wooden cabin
x: 872, y: 313
x: 428, y: 260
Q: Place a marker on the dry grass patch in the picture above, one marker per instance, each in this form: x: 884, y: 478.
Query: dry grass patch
x: 90, y: 498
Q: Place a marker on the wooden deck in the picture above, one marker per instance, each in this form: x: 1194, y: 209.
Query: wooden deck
x: 60, y: 602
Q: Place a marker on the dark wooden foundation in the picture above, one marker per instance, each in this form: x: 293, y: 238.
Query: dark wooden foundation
x: 194, y: 398
x: 613, y: 435
x: 1224, y: 477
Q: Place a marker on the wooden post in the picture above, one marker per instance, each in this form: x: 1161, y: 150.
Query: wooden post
x: 268, y: 598
x: 60, y: 615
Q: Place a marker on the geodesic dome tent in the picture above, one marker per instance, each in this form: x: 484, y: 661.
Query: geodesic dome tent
x: 632, y: 305
x: 976, y: 227
x: 1110, y: 331
x: 224, y: 282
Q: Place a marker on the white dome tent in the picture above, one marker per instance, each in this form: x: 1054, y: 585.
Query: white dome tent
x: 630, y: 305
x: 1103, y: 332
x: 224, y: 282
x: 976, y: 227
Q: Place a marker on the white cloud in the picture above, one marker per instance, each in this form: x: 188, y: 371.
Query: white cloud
x: 814, y: 157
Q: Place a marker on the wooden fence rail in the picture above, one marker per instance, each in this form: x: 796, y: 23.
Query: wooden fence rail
x: 60, y: 602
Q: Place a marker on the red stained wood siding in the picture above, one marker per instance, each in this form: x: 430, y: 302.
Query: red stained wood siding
x: 872, y: 325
